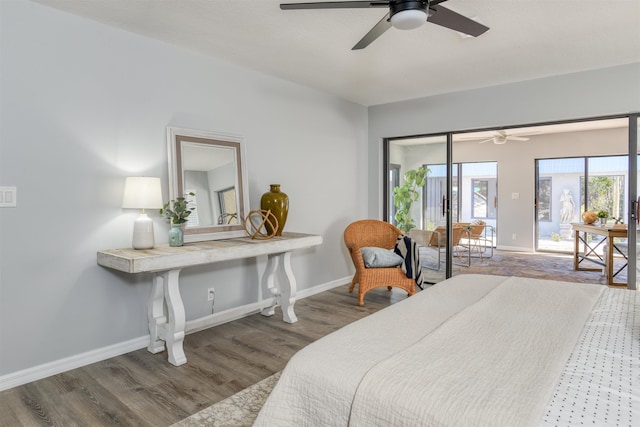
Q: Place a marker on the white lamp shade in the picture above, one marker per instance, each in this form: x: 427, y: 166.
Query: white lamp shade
x: 141, y: 192
x: 408, y: 19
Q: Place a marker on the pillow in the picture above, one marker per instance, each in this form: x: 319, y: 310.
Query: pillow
x: 380, y: 257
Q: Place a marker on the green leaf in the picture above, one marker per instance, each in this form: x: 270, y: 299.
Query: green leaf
x: 404, y: 196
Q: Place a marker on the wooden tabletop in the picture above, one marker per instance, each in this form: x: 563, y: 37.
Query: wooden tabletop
x: 165, y: 257
x: 612, y: 230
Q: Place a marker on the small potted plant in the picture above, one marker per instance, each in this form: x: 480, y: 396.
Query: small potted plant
x: 177, y: 211
x: 603, y: 215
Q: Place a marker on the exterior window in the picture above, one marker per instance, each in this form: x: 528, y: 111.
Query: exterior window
x: 544, y: 199
x: 192, y: 220
x: 394, y: 181
x: 605, y: 192
x: 480, y: 196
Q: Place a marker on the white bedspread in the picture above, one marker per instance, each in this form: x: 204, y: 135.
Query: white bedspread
x: 600, y: 384
x: 474, y: 350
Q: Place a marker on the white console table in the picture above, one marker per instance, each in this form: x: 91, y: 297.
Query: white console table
x: 165, y: 263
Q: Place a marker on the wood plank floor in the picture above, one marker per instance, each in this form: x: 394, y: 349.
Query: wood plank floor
x: 143, y: 389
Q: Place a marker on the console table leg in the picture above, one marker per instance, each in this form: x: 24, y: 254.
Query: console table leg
x: 288, y: 291
x: 156, y: 316
x: 174, y: 332
x: 285, y: 295
x: 269, y: 284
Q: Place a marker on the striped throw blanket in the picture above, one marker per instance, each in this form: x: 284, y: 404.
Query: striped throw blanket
x: 408, y: 250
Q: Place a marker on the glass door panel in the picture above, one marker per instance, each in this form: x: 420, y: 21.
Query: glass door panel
x: 429, y: 210
x: 634, y: 184
x: 559, y: 185
x: 435, y: 195
x: 394, y: 181
x: 607, y: 188
x: 479, y: 197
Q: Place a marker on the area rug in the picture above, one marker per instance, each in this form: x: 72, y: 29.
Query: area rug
x: 239, y: 410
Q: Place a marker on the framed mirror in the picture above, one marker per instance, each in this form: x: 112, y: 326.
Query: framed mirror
x: 211, y: 166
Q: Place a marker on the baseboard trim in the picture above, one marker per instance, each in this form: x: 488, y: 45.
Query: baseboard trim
x: 323, y: 287
x: 514, y: 249
x: 235, y: 313
x: 76, y: 361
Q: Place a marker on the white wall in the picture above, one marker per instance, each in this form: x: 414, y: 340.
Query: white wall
x: 83, y: 106
x: 594, y: 93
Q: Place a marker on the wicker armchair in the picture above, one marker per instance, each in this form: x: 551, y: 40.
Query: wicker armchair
x: 374, y: 233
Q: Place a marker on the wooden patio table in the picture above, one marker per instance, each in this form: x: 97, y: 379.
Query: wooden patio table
x: 610, y: 232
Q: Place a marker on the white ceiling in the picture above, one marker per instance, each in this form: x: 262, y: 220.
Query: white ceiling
x: 528, y: 39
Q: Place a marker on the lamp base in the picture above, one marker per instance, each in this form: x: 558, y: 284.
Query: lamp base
x: 143, y: 232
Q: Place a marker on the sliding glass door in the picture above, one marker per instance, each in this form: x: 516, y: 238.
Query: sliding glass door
x: 420, y: 206
x: 581, y: 165
x: 567, y: 187
x: 435, y: 195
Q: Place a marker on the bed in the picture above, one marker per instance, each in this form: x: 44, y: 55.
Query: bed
x: 474, y: 350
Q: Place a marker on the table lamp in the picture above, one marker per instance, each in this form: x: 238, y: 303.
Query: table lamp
x: 142, y: 193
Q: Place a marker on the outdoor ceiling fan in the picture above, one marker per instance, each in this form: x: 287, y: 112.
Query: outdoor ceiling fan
x: 403, y: 14
x: 500, y: 137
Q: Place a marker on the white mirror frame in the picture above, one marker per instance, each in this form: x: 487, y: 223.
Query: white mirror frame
x: 175, y: 136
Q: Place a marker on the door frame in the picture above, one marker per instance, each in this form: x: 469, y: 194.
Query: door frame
x: 447, y: 202
x: 632, y: 203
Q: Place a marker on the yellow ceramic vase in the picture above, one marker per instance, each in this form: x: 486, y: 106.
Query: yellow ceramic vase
x: 278, y: 203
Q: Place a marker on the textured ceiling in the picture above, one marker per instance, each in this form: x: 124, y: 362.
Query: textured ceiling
x: 528, y: 39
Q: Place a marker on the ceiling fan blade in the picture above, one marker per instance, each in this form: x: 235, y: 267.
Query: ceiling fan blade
x: 485, y: 140
x: 535, y: 132
x: 470, y: 138
x: 374, y: 33
x: 454, y: 21
x: 335, y: 5
x: 517, y: 138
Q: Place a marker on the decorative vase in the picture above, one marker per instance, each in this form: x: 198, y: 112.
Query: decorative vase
x: 603, y: 221
x: 278, y: 203
x: 176, y: 236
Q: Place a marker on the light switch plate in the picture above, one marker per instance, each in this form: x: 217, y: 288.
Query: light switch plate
x: 8, y: 197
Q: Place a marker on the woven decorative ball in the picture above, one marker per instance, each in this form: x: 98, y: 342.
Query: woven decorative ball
x: 260, y: 224
x: 589, y: 217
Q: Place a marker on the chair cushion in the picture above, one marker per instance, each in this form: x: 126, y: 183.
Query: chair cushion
x: 380, y: 257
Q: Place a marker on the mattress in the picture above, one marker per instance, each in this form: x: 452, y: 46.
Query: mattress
x: 472, y: 350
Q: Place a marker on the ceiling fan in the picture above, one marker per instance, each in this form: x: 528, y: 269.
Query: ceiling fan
x: 403, y: 14
x: 500, y: 137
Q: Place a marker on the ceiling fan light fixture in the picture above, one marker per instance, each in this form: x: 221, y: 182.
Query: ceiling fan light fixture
x: 408, y: 19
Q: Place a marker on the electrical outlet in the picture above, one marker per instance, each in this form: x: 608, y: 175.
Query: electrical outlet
x: 513, y: 236
x: 8, y: 197
x: 211, y: 294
